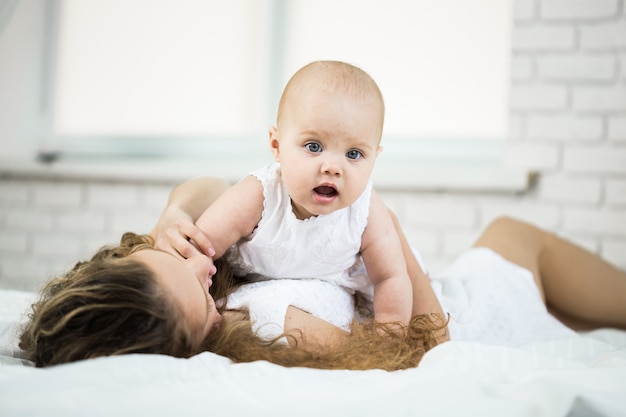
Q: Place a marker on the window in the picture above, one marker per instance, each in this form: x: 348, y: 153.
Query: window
x: 442, y: 65
x: 173, y: 68
x: 188, y: 76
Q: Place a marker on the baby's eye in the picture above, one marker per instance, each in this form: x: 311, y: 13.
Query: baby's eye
x: 313, y: 147
x: 354, y: 154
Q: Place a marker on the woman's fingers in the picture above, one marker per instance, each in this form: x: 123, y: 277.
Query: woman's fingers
x: 184, y: 240
x: 180, y: 245
x: 198, y: 238
x: 173, y: 241
x: 178, y: 235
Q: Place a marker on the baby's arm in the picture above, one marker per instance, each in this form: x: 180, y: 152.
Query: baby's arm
x: 233, y: 215
x: 424, y: 299
x: 381, y: 249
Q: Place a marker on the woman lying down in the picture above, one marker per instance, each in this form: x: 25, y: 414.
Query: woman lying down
x: 516, y: 284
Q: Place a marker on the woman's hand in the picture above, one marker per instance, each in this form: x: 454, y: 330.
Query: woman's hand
x: 176, y: 233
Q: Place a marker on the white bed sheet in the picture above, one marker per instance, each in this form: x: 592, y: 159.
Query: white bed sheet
x: 577, y: 376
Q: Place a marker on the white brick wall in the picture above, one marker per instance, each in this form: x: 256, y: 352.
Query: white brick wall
x: 617, y: 124
x: 566, y: 127
x: 544, y: 37
x: 616, y: 193
x: 48, y: 225
x: 607, y: 159
x: 568, y: 190
x: 578, y: 9
x: 539, y: 97
x: 568, y: 124
x: 577, y: 67
x: 604, y: 35
x: 604, y: 98
x: 534, y: 156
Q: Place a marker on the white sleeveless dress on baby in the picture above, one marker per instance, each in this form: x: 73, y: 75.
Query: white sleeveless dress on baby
x: 321, y: 253
x: 489, y: 299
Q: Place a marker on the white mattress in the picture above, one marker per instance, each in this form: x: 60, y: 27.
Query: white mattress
x: 578, y: 376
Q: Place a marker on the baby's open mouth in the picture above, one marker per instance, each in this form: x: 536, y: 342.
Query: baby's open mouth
x: 325, y: 191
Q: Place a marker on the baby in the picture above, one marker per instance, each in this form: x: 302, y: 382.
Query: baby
x: 313, y: 214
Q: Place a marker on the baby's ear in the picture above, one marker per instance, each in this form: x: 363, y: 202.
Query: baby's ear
x: 379, y: 150
x: 274, y: 143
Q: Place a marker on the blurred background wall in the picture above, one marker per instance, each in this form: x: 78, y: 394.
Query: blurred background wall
x: 567, y: 112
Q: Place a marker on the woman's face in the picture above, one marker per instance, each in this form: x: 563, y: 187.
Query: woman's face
x: 187, y: 283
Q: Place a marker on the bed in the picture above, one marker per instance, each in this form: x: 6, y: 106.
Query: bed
x: 582, y: 375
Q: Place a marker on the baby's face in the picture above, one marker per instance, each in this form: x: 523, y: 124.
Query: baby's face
x: 326, y: 143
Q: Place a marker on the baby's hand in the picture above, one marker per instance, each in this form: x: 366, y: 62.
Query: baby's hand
x: 176, y: 233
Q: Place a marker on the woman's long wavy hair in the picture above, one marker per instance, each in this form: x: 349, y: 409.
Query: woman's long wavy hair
x: 111, y: 305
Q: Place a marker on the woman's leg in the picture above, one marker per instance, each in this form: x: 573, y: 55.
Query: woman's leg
x: 579, y: 288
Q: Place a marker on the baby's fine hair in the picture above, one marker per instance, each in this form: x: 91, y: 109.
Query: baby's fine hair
x: 335, y: 76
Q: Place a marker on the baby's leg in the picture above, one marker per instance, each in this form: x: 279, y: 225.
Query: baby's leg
x: 579, y: 288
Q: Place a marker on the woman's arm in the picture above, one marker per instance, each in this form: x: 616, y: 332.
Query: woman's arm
x: 302, y: 326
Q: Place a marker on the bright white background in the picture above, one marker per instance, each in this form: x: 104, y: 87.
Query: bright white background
x: 215, y: 68
x: 567, y: 123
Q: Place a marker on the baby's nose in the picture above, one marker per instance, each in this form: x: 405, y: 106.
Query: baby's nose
x: 331, y: 166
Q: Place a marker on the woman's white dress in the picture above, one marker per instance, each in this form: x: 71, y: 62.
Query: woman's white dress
x: 489, y: 299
